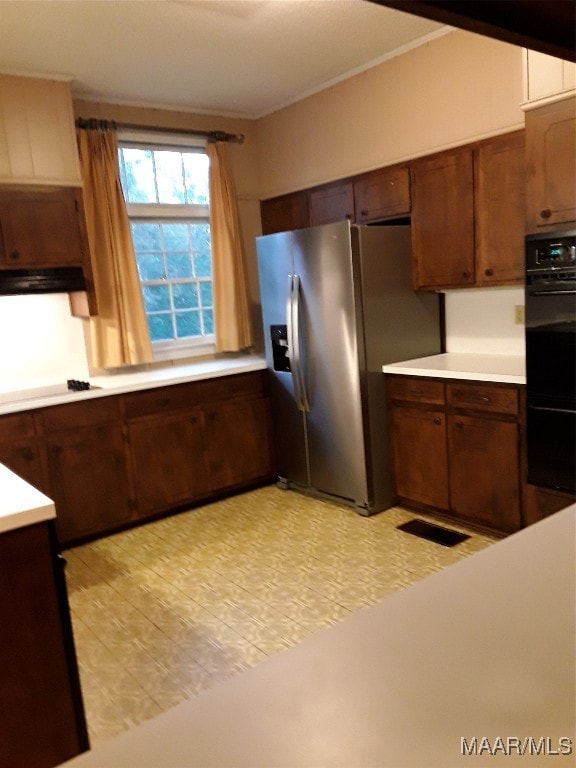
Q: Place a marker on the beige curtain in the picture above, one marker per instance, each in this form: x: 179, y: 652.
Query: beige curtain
x: 231, y: 315
x: 119, y: 334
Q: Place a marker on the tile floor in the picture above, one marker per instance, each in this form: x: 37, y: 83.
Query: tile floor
x: 168, y: 609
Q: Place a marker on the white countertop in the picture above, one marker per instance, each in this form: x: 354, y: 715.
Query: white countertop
x: 508, y: 369
x: 117, y: 384
x: 20, y: 503
x: 484, y: 649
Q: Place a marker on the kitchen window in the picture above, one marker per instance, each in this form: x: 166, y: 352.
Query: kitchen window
x: 166, y: 191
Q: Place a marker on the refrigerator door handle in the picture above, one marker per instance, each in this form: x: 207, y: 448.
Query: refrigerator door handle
x: 290, y: 341
x: 297, y: 356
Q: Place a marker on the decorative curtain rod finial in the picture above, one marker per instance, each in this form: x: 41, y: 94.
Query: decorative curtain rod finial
x: 236, y: 138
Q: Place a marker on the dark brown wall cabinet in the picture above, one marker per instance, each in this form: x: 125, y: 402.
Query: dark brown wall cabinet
x: 285, y: 213
x: 456, y: 449
x: 45, y: 227
x: 42, y: 723
x: 551, y: 165
x: 333, y: 202
x: 382, y: 194
x: 468, y: 215
x: 40, y: 228
x: 374, y: 196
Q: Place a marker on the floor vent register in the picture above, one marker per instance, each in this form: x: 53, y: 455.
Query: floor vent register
x: 431, y: 532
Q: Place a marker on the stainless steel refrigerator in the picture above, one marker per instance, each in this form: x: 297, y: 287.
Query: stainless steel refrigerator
x: 337, y: 304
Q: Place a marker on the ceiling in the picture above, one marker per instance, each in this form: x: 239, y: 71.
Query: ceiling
x: 244, y: 58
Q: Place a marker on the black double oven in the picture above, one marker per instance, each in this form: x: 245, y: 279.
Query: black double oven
x: 551, y: 359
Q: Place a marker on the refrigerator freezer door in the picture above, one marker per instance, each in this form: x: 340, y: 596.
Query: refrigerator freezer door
x: 329, y: 350
x: 275, y: 274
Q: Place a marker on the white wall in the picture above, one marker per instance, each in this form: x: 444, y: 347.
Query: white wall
x: 40, y: 343
x: 482, y: 321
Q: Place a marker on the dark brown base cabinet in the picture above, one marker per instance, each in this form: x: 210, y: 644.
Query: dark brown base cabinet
x: 42, y: 722
x: 456, y: 449
x: 87, y: 466
x: 116, y: 460
x: 168, y: 461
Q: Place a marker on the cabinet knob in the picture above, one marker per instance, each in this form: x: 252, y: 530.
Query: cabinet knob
x: 466, y: 274
x: 364, y: 212
x: 15, y: 255
x: 460, y: 424
x: 546, y: 213
x: 488, y: 272
x: 437, y: 420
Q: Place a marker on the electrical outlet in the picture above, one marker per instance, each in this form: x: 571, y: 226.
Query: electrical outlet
x: 519, y: 314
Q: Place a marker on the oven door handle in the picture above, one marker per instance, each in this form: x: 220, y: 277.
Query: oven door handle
x: 552, y: 410
x: 553, y: 293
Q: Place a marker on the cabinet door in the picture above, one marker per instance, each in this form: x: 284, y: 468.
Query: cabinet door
x: 37, y: 133
x: 283, y: 214
x: 500, y: 210
x: 443, y: 220
x: 20, y: 450
x: 485, y: 471
x: 25, y: 460
x: 238, y: 439
x: 382, y: 194
x: 169, y: 461
x: 40, y: 228
x: 334, y: 202
x: 89, y: 479
x: 420, y: 457
x: 42, y: 723
x: 551, y: 164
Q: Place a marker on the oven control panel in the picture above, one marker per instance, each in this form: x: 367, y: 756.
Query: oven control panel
x: 549, y: 252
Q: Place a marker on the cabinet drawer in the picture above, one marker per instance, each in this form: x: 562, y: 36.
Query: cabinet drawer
x: 238, y: 385
x: 16, y: 426
x: 416, y: 390
x: 154, y: 401
x: 478, y: 397
x: 82, y: 414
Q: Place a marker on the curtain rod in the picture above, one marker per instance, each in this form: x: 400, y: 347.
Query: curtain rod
x: 96, y: 124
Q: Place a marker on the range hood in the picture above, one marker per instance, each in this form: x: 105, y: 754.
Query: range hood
x: 14, y: 282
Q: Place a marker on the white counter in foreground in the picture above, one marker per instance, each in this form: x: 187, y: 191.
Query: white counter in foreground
x: 20, y: 503
x: 481, y: 651
x: 507, y: 369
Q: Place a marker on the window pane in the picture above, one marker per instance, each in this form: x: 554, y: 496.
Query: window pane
x: 200, y: 234
x: 175, y: 237
x: 208, y: 317
x: 156, y: 297
x: 206, y: 294
x: 188, y: 324
x: 138, y: 176
x: 150, y: 266
x: 185, y: 295
x: 202, y: 265
x: 196, y: 176
x: 146, y: 237
x: 178, y: 265
x: 169, y: 177
x: 160, y: 327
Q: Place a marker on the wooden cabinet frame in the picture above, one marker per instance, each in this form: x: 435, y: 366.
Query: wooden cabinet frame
x: 462, y: 430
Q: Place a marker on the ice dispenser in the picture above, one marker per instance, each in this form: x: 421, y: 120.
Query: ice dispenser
x: 279, y: 339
